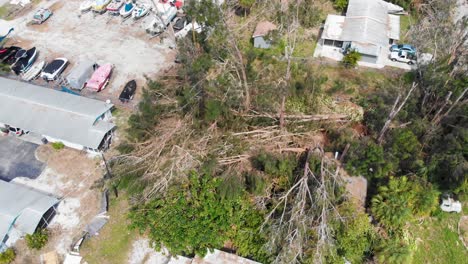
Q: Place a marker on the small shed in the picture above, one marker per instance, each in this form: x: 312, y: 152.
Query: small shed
x: 80, y: 74
x: 261, y: 31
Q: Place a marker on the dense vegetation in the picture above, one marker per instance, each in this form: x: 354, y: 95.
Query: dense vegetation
x: 232, y: 152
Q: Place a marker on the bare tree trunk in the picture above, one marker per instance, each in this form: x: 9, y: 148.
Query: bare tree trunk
x: 281, y: 114
x: 244, y: 75
x: 438, y: 118
x: 394, y: 113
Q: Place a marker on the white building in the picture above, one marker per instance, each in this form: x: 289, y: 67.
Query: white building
x: 369, y: 27
x: 78, y: 122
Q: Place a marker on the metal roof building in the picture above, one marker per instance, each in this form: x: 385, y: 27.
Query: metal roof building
x: 22, y: 208
x: 369, y: 26
x: 77, y: 121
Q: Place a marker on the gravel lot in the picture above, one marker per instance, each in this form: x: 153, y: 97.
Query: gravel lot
x: 104, y: 38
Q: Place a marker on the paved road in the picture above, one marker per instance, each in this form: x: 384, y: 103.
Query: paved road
x: 17, y: 159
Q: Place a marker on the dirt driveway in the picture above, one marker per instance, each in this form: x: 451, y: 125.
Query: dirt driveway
x: 104, y: 38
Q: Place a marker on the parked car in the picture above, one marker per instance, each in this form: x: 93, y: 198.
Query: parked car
x: 53, y: 70
x: 100, y: 78
x: 41, y: 15
x: 403, y: 56
x: 403, y: 47
x: 450, y: 205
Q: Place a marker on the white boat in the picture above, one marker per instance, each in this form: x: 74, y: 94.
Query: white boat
x: 114, y: 7
x: 182, y: 33
x: 52, y: 71
x: 140, y: 11
x: 127, y: 9
x: 86, y: 5
x: 34, y: 71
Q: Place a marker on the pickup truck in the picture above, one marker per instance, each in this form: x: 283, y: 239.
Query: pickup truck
x: 403, y: 56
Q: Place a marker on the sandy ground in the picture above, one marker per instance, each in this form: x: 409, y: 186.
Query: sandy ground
x: 69, y: 175
x: 103, y: 38
x: 142, y: 253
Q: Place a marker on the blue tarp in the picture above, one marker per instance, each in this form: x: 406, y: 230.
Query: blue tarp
x: 66, y: 90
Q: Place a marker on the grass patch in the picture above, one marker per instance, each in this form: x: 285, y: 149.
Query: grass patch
x: 405, y: 25
x: 58, y: 145
x: 438, y: 241
x: 4, y: 10
x: 10, y: 12
x: 305, y: 49
x: 114, y: 242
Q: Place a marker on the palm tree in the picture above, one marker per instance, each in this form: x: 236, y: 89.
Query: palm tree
x: 391, y: 205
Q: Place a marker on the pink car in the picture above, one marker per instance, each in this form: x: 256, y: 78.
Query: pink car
x: 100, y: 78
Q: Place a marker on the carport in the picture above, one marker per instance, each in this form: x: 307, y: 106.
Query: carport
x: 23, y: 209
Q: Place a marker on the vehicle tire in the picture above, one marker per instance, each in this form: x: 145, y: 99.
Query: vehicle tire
x: 393, y: 59
x: 410, y: 63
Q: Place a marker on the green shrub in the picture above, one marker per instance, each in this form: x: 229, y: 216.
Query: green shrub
x: 8, y: 256
x: 340, y: 5
x: 351, y: 58
x: 180, y: 220
x: 402, y: 200
x: 354, y: 235
x: 310, y: 14
x: 394, y: 250
x: 280, y: 169
x: 58, y: 145
x: 38, y: 239
x: 368, y: 159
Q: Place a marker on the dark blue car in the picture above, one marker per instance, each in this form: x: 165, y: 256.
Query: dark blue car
x: 403, y: 47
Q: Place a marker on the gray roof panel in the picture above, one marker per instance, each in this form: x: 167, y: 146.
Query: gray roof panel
x: 53, y: 113
x: 24, y: 204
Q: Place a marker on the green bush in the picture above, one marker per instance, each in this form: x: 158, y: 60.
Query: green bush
x: 280, y: 169
x: 189, y: 220
x: 351, y: 58
x: 8, y: 256
x: 368, y: 159
x: 394, y: 250
x: 58, y: 145
x: 310, y: 14
x: 403, y: 199
x: 340, y: 5
x: 354, y: 235
x: 38, y: 239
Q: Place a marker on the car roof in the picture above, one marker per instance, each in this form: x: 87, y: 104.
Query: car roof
x: 408, y: 46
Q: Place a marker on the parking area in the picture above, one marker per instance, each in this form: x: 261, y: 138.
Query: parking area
x: 17, y: 159
x: 101, y: 38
